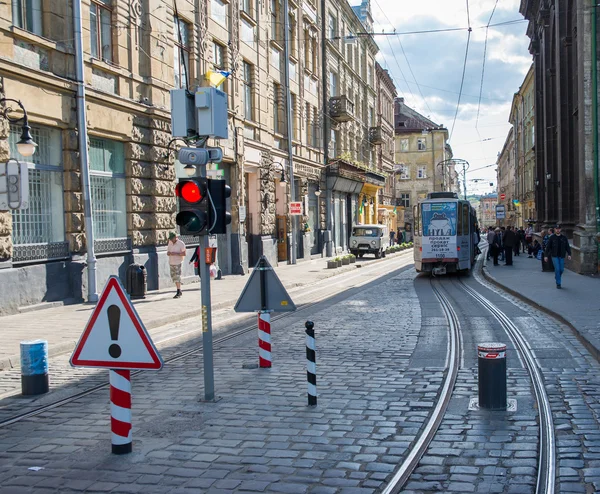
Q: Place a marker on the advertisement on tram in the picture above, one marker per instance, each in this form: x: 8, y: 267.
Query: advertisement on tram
x: 439, y: 231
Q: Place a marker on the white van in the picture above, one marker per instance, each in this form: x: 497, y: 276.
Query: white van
x: 369, y: 239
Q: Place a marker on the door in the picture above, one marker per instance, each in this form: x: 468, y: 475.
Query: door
x: 282, y: 236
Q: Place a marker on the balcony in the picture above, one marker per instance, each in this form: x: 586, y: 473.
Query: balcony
x: 375, y: 135
x: 341, y: 109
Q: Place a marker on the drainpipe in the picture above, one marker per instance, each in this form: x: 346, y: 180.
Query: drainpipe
x: 83, y: 154
x: 326, y: 133
x: 595, y: 131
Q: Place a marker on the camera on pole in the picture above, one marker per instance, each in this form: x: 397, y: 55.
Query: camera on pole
x: 219, y: 217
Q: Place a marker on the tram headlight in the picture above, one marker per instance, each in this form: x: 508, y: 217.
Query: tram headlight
x: 373, y: 243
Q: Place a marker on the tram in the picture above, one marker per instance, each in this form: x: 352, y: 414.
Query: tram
x: 444, y: 240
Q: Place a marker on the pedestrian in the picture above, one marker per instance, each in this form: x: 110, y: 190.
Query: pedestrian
x: 400, y: 238
x: 510, y: 240
x: 558, y: 247
x: 529, y: 235
x: 534, y: 249
x: 196, y: 260
x: 495, y: 245
x: 517, y: 246
x: 522, y: 241
x: 502, y: 232
x: 176, y: 253
x: 392, y: 235
x: 490, y: 240
x: 546, y: 262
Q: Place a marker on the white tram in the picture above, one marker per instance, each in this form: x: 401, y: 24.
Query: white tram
x: 444, y: 234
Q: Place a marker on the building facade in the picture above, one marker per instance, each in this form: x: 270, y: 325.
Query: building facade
x: 522, y: 118
x: 487, y: 211
x: 563, y: 39
x: 134, y: 53
x: 505, y: 176
x: 422, y: 158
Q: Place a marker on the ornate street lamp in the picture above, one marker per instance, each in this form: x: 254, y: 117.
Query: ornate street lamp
x: 26, y: 145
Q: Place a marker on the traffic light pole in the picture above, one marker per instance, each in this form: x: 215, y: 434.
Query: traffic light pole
x: 207, y: 342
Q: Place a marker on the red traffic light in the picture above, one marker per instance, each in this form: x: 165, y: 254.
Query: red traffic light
x: 191, y: 191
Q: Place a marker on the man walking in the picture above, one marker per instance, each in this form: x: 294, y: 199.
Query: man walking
x: 176, y: 253
x: 558, y: 247
x: 510, y: 241
x: 490, y: 240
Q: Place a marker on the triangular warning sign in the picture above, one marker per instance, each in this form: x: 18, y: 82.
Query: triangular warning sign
x: 115, y: 336
x: 264, y: 291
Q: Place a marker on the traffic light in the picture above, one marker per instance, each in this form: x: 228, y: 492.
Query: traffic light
x: 219, y: 192
x: 194, y: 205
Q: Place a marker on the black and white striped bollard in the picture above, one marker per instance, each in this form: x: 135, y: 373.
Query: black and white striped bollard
x: 311, y: 363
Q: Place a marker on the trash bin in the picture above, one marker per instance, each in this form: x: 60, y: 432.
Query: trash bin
x: 136, y: 281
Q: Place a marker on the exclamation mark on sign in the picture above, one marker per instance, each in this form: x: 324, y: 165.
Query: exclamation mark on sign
x: 114, y: 319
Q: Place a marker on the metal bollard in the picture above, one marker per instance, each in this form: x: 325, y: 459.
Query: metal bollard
x: 34, y: 367
x: 492, y: 375
x: 311, y: 363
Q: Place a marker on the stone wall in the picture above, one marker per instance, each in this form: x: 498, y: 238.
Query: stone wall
x: 267, y: 195
x: 73, y: 196
x: 5, y: 216
x: 151, y: 182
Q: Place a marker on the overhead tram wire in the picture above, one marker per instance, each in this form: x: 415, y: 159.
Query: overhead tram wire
x: 405, y: 58
x: 463, y: 74
x: 483, y: 65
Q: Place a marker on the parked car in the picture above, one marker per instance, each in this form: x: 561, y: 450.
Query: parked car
x: 369, y: 239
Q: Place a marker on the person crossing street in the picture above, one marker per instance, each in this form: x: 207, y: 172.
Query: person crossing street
x: 558, y: 247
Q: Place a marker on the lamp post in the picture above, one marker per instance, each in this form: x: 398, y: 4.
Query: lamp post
x: 282, y: 180
x: 26, y: 145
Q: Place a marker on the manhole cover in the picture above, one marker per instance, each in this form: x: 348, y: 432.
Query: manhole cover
x: 511, y: 405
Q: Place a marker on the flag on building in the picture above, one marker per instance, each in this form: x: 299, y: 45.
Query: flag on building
x: 216, y: 77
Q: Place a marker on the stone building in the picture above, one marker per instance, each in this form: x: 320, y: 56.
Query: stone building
x: 505, y: 174
x: 486, y: 213
x: 422, y: 158
x: 382, y: 136
x: 135, y: 52
x: 564, y: 37
x: 354, y: 175
x: 522, y: 118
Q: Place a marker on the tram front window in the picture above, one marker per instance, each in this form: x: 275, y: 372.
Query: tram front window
x: 439, y: 219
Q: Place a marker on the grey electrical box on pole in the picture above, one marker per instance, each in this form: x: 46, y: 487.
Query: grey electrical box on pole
x: 211, y: 112
x: 183, y: 113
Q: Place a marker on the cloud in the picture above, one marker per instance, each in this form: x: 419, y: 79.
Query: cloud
x: 437, y: 60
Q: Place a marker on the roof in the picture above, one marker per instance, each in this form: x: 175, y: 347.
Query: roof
x: 407, y: 120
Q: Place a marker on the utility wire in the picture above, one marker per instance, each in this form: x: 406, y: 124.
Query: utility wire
x: 483, y: 65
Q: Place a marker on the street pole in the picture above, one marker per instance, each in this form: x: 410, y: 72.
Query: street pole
x: 83, y: 155
x: 207, y: 342
x: 465, y: 167
x: 288, y: 109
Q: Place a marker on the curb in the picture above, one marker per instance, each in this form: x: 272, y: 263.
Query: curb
x: 582, y: 339
x: 13, y: 361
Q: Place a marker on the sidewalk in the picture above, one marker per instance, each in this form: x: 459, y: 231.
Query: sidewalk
x: 577, y: 304
x: 63, y: 325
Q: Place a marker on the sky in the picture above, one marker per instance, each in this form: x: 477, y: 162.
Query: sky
x: 427, y: 69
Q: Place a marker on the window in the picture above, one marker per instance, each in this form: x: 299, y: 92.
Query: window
x: 276, y: 22
x: 405, y: 200
x: 43, y: 221
x: 293, y: 117
x: 247, y: 33
x: 332, y: 27
x: 246, y: 6
x: 333, y: 143
x: 421, y: 145
x: 315, y: 128
x: 218, y: 12
x: 182, y: 52
x: 370, y: 75
x: 101, y: 29
x: 219, y: 61
x: 333, y: 84
x: 275, y: 58
x: 277, y: 108
x: 27, y: 14
x: 107, y: 181
x: 422, y: 172
x: 292, y: 71
x: 371, y: 116
x: 247, y: 81
x: 404, y: 172
x: 293, y: 40
x: 404, y: 145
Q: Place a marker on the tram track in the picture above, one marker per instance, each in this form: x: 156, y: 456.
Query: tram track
x: 380, y: 271
x: 422, y: 441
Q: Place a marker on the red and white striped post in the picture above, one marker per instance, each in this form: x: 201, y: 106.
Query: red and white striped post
x: 120, y: 411
x: 264, y: 339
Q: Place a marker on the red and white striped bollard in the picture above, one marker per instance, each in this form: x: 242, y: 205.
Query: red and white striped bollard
x: 120, y: 411
x: 264, y: 339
